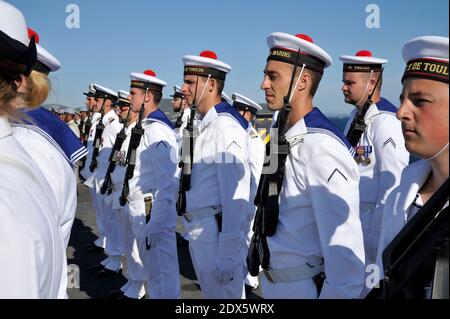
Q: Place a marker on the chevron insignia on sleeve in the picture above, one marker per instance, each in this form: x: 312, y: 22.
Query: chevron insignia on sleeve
x: 389, y: 140
x: 334, y: 172
x: 231, y: 144
x: 161, y: 142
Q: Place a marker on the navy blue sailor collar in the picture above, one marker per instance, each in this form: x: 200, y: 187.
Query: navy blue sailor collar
x: 226, y: 109
x: 159, y: 116
x: 316, y: 122
x: 57, y: 133
x: 382, y: 106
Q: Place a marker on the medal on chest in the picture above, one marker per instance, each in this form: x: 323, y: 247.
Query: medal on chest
x: 362, y: 154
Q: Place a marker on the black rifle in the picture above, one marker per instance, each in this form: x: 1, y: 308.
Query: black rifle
x: 187, y: 158
x: 409, y: 260
x: 120, y: 138
x: 266, y: 200
x: 358, y: 125
x: 135, y: 140
x: 179, y: 120
x: 97, y: 139
x: 87, y: 128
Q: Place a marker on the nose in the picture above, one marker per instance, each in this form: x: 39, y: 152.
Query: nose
x: 184, y: 88
x: 403, y: 110
x: 265, y: 83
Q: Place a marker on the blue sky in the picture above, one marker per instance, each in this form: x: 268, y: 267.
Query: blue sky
x: 118, y: 37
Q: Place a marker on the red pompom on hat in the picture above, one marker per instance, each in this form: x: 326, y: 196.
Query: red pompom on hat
x: 150, y: 73
x: 208, y: 54
x: 364, y: 53
x: 205, y: 64
x: 31, y: 32
x: 304, y: 37
x: 46, y: 62
x: 146, y: 80
x: 362, y: 61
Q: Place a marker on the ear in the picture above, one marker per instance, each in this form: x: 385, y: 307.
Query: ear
x: 20, y: 82
x: 304, y: 82
x: 149, y: 96
x: 212, y: 83
x: 373, y: 82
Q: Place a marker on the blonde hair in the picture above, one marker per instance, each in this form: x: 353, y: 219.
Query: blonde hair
x: 38, y: 89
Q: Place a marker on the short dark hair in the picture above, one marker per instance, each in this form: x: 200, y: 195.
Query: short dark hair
x: 220, y: 84
x: 157, y: 96
x: 380, y: 83
x: 316, y: 77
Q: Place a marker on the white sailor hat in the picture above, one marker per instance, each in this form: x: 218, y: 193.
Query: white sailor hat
x: 84, y: 108
x: 285, y: 47
x: 46, y: 62
x: 244, y: 103
x: 177, y: 92
x: 91, y: 91
x: 362, y: 61
x: 426, y: 57
x: 205, y: 64
x: 59, y: 110
x: 226, y: 98
x: 69, y: 110
x: 123, y: 98
x: 104, y: 93
x: 15, y: 45
x: 146, y: 80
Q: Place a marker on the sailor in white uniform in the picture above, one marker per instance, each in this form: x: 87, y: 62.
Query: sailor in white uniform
x: 70, y: 120
x: 55, y: 150
x: 318, y: 226
x: 134, y: 288
x: 424, y: 114
x: 100, y: 243
x: 248, y: 109
x: 379, y: 149
x: 153, y: 188
x: 104, y: 98
x: 32, y: 246
x: 53, y: 147
x: 179, y: 105
x: 215, y: 217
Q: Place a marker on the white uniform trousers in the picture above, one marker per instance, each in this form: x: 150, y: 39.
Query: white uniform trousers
x: 160, y: 262
x: 135, y: 286
x: 101, y: 240
x: 203, y: 241
x: 112, y: 233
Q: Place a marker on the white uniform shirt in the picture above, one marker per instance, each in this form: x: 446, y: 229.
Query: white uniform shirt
x: 319, y: 213
x: 74, y: 127
x: 118, y: 174
x: 156, y: 171
x: 87, y: 174
x: 184, y: 120
x: 256, y: 152
x: 220, y: 171
x: 56, y: 170
x: 399, y: 208
x: 32, y: 251
x: 112, y: 127
x: 388, y: 158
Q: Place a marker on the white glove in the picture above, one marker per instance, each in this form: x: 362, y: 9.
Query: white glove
x: 225, y: 270
x: 228, y: 257
x: 154, y: 232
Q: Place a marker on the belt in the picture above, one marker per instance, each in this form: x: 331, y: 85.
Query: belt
x: 202, y: 213
x: 366, y: 207
x: 306, y: 271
